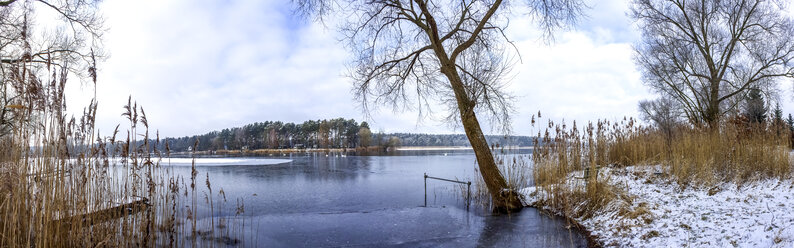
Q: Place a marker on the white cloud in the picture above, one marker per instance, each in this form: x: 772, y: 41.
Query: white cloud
x: 198, y: 66
x: 202, y: 66
x: 576, y: 79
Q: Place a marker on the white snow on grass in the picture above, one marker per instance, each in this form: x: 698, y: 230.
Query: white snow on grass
x: 756, y: 214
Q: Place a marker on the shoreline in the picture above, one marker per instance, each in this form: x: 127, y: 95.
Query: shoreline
x: 333, y: 150
x: 276, y: 151
x: 654, y: 211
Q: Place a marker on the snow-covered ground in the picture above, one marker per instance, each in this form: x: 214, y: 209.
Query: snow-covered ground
x: 654, y: 212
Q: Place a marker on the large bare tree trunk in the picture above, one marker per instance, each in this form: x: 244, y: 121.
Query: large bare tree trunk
x: 713, y: 110
x: 505, y: 200
x: 388, y: 39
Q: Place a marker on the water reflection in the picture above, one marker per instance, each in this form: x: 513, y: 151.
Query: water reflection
x: 511, y: 231
x: 315, y: 200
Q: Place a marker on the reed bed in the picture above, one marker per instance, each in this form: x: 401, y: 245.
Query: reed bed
x: 737, y: 152
x: 516, y: 169
x: 63, y: 184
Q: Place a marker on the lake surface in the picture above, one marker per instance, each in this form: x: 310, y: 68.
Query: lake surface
x: 314, y: 200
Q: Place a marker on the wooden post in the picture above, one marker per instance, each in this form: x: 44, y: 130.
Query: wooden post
x: 468, y: 196
x: 425, y: 189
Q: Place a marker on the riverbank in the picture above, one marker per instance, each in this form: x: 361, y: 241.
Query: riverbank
x: 652, y: 210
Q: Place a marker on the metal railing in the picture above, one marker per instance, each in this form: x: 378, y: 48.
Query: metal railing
x: 468, y: 189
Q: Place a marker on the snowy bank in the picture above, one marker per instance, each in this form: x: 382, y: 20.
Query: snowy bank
x: 653, y: 211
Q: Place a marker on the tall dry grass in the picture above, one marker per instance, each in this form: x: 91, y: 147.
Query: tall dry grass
x: 515, y: 168
x: 737, y: 152
x: 559, y: 152
x: 64, y: 184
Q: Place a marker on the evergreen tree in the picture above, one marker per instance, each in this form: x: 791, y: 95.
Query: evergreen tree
x: 755, y: 109
x: 790, y: 122
x: 778, y: 113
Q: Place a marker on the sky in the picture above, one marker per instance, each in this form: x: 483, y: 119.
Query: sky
x: 199, y: 66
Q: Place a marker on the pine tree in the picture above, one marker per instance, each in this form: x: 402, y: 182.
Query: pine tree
x: 778, y: 113
x: 755, y: 110
x: 790, y: 122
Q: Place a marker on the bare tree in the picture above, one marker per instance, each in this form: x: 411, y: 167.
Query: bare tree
x: 410, y: 54
x: 707, y: 54
x: 30, y: 53
x: 663, y: 113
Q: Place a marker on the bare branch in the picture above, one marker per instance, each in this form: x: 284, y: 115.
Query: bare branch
x: 705, y: 54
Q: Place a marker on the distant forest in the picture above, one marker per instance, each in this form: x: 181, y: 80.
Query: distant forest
x: 421, y: 139
x: 333, y: 133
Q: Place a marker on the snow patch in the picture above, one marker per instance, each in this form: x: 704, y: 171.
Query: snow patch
x: 656, y: 212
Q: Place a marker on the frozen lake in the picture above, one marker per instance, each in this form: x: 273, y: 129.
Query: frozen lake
x: 314, y: 200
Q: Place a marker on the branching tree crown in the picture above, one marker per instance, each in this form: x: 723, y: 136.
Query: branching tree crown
x: 411, y: 54
x: 663, y: 113
x: 705, y: 54
x: 404, y: 50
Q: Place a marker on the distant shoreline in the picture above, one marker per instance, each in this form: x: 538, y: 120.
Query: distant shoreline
x: 446, y: 148
x: 334, y: 150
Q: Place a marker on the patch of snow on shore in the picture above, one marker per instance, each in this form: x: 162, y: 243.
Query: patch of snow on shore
x: 756, y: 214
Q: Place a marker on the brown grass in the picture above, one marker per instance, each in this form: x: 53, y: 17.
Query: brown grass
x: 690, y: 157
x: 514, y: 167
x: 62, y: 182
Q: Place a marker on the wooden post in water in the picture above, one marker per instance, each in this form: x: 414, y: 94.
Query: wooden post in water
x: 468, y: 189
x: 425, y: 189
x: 468, y: 196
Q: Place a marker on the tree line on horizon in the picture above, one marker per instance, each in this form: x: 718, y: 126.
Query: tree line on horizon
x: 333, y: 133
x: 326, y: 133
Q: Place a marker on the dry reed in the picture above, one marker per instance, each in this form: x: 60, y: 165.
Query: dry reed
x: 690, y: 157
x: 514, y: 167
x: 65, y: 185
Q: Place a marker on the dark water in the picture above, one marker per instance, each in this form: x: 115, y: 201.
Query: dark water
x: 310, y: 200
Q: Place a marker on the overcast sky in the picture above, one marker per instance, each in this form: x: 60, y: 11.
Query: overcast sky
x: 198, y: 66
